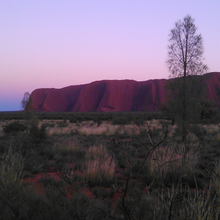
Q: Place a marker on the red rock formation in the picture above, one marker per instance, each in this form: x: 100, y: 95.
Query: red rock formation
x: 113, y: 95
x: 213, y: 82
x: 55, y: 100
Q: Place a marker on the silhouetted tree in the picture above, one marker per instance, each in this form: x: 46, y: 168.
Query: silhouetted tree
x: 25, y: 100
x: 185, y: 58
x: 26, y: 104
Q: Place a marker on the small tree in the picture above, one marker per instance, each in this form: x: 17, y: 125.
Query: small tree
x: 26, y: 104
x: 185, y: 58
x: 25, y: 100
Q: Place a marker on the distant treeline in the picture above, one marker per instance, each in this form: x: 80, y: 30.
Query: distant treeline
x: 81, y: 116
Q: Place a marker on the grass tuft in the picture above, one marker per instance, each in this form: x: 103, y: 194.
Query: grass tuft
x: 99, y: 166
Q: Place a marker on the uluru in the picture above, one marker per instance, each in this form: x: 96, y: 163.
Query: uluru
x: 113, y: 95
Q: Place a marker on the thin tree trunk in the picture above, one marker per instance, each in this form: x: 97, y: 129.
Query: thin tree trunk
x: 184, y: 107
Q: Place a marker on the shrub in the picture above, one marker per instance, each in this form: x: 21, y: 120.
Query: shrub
x: 14, y: 128
x: 216, y: 179
x: 198, y: 130
x: 98, y: 120
x: 48, y: 125
x: 12, y: 191
x: 138, y: 206
x: 102, y: 193
x: 209, y: 154
x: 139, y: 121
x: 119, y: 121
x: 37, y: 134
x: 171, y: 165
x: 47, y: 181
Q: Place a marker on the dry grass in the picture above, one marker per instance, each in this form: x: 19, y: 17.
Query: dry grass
x: 211, y: 129
x: 90, y: 128
x: 99, y: 165
x: 66, y: 146
x: 177, y: 199
x: 174, y: 159
x: 60, y: 127
x: 216, y: 179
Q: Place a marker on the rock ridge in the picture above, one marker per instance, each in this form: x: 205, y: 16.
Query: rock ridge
x: 113, y: 95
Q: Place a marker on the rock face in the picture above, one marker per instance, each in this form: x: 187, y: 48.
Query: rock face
x: 113, y: 95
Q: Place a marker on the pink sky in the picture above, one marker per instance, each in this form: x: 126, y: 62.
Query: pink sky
x: 53, y: 44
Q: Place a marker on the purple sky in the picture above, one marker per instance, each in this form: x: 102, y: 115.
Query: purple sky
x: 54, y: 44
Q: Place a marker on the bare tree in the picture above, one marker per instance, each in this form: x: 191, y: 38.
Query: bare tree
x: 185, y: 57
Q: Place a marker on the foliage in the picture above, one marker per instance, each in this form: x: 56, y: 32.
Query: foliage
x: 197, y: 106
x: 185, y: 56
x: 14, y: 128
x: 119, y: 121
x: 26, y: 101
x: 102, y: 192
x: 185, y: 50
x: 12, y: 191
x: 37, y: 134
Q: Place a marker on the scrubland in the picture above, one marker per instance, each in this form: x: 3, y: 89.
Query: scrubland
x: 122, y: 167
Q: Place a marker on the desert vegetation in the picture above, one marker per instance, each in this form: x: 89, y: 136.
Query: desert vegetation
x: 107, y: 166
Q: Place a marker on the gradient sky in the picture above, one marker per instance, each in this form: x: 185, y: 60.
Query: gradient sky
x: 54, y: 44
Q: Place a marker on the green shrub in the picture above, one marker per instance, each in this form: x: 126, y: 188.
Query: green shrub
x: 12, y: 191
x: 138, y: 121
x: 138, y: 205
x: 47, y: 181
x: 73, y: 119
x: 198, y: 130
x: 97, y: 119
x: 102, y: 193
x: 209, y: 155
x: 37, y: 134
x: 119, y: 121
x: 48, y: 125
x: 14, y: 128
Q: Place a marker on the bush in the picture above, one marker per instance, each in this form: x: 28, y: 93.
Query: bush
x: 50, y: 181
x: 37, y: 134
x: 14, y: 128
x: 139, y: 121
x: 102, y: 193
x: 73, y: 119
x: 198, y: 130
x: 98, y: 120
x: 12, y: 191
x: 119, y: 121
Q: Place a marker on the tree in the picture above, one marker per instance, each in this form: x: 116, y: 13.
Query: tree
x: 26, y: 105
x: 185, y: 58
x: 25, y: 101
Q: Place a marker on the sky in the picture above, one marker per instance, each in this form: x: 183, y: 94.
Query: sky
x: 54, y: 44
